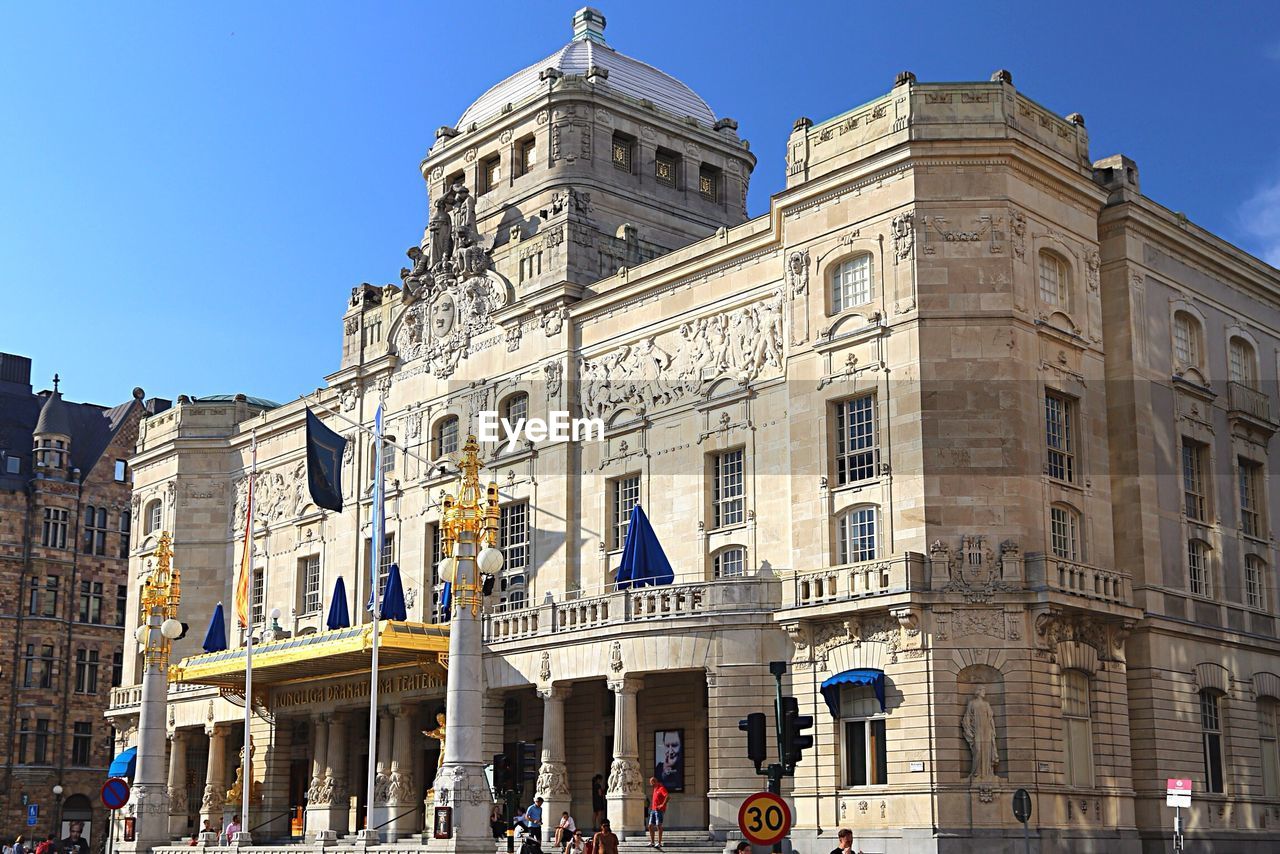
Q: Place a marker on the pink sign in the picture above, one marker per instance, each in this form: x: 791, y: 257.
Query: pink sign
x: 1175, y: 786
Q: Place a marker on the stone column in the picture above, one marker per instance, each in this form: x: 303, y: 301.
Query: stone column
x: 177, y: 784
x: 215, y: 776
x: 319, y: 793
x: 553, y: 778
x: 402, y: 794
x: 378, y: 812
x: 626, y: 785
x: 338, y: 791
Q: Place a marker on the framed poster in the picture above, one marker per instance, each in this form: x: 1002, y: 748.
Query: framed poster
x: 668, y: 758
x: 443, y: 824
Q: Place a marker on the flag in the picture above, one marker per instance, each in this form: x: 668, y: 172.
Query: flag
x: 215, y: 640
x: 643, y: 560
x: 339, y: 616
x: 393, y: 607
x: 324, y: 464
x: 379, y: 520
x: 446, y: 602
x: 243, y: 591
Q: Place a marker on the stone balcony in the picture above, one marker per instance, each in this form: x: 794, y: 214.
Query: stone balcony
x: 1079, y: 579
x: 1252, y: 406
x: 127, y: 699
x: 902, y: 573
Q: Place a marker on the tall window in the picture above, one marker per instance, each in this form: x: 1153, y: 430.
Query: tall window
x: 46, y: 665
x: 310, y: 573
x: 857, y: 452
x: 42, y: 742
x: 388, y: 460
x: 490, y: 174
x: 1251, y: 514
x: 516, y: 408
x: 386, y: 557
x: 528, y: 155
x: 117, y: 668
x: 29, y: 667
x: 91, y: 601
x: 728, y: 489
x: 121, y: 471
x: 1078, y: 726
x: 513, y: 536
x: 436, y: 537
x: 95, y: 530
x: 126, y: 521
x: 86, y: 671
x: 1059, y: 424
x: 24, y: 739
x: 1053, y: 280
x: 624, y: 493
x: 1186, y: 340
x: 54, y: 534
x: 1193, y: 479
x: 666, y: 167
x: 122, y: 603
x: 1242, y: 363
x: 1269, y: 746
x: 1064, y: 532
x: 81, y: 743
x: 1211, y: 735
x: 154, y: 516
x: 851, y: 284
x: 623, y: 150
x: 1198, y: 567
x: 709, y: 183
x: 447, y: 436
x: 729, y: 562
x: 1254, y: 571
x: 856, y: 540
x: 258, y: 596
x: 862, y: 727
x: 44, y: 600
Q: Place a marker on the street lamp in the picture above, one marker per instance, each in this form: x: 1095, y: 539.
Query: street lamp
x: 57, y: 809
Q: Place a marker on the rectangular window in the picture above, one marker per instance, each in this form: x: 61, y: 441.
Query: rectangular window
x: 448, y: 438
x: 95, y: 530
x: 1053, y: 276
x: 1198, y: 567
x: 81, y: 743
x: 385, y: 558
x: 258, y: 597
x: 1253, y: 571
x: 490, y: 174
x: 624, y: 493
x: 48, y: 602
x: 1186, y: 350
x: 666, y: 167
x: 86, y: 671
x: 1251, y: 514
x: 728, y: 490
x: 851, y: 284
x: 857, y: 451
x: 122, y: 603
x: 310, y: 571
x: 125, y: 522
x: 1064, y: 537
x: 435, y: 536
x: 155, y: 514
x: 13, y: 465
x: 528, y: 155
x: 122, y: 471
x: 24, y: 739
x: 29, y: 667
x: 623, y: 151
x: 1269, y: 746
x: 709, y: 183
x: 1211, y: 729
x: 91, y: 601
x: 863, y: 734
x: 1078, y: 726
x: 42, y: 742
x: 1059, y: 422
x: 857, y: 536
x: 1193, y: 479
x: 54, y: 533
x: 513, y: 536
x: 117, y: 668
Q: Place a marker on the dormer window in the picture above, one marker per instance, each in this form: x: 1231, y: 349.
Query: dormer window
x: 666, y: 165
x: 709, y: 183
x: 490, y: 174
x: 623, y: 149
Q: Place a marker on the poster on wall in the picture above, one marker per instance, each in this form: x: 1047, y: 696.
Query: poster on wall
x: 668, y: 761
x: 76, y: 836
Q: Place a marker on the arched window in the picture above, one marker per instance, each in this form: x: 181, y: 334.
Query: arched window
x: 729, y: 562
x: 515, y: 408
x: 1077, y: 728
x: 153, y: 515
x: 1243, y: 363
x: 1064, y: 532
x: 1255, y: 570
x: 446, y: 437
x: 1211, y: 739
x: 856, y: 535
x: 1269, y: 745
x: 851, y: 284
x: 1187, y: 348
x: 1053, y: 279
x: 1198, y: 567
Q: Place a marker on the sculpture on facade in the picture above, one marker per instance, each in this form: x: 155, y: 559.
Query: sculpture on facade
x: 979, y: 725
x: 439, y: 735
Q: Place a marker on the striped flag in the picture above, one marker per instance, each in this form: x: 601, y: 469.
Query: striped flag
x: 244, y: 582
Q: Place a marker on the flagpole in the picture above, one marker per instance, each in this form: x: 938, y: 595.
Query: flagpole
x: 246, y: 777
x: 375, y: 610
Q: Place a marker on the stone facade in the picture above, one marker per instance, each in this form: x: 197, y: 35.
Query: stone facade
x: 922, y: 419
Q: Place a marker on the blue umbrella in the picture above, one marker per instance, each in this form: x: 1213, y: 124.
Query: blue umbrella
x: 339, y: 616
x: 215, y: 640
x: 643, y: 560
x: 393, y: 597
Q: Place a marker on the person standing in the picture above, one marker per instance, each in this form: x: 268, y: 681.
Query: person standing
x: 597, y: 801
x: 657, y: 809
x: 233, y: 827
x: 533, y: 819
x: 605, y: 841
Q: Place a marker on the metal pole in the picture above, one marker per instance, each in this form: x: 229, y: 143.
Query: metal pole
x: 375, y: 609
x: 246, y: 776
x: 1026, y: 837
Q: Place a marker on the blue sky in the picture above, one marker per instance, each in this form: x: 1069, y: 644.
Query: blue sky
x: 191, y: 190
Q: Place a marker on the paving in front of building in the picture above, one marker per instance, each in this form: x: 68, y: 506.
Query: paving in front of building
x: 965, y: 429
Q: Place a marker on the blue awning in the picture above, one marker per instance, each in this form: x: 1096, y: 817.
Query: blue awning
x: 860, y: 676
x: 124, y: 764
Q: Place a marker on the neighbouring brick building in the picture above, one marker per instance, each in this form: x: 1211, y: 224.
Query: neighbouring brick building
x: 65, y: 520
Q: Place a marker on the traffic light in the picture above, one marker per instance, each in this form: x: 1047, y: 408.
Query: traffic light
x: 503, y: 780
x: 757, y: 749
x: 526, y: 762
x: 794, y: 741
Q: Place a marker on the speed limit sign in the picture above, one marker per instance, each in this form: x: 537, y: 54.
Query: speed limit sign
x: 764, y: 818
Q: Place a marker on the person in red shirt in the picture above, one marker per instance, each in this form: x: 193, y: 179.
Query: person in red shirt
x: 657, y: 808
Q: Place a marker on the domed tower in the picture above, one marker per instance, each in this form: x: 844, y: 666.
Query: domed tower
x: 52, y: 436
x: 587, y: 161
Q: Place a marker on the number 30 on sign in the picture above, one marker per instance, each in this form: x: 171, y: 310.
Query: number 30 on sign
x: 764, y: 818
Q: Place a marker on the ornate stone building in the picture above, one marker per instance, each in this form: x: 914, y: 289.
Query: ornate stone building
x: 65, y: 524
x: 965, y: 428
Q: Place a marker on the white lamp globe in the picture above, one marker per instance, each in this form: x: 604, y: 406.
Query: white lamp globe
x: 275, y: 613
x: 57, y: 789
x: 171, y: 628
x: 490, y: 560
x: 446, y: 569
x: 140, y: 634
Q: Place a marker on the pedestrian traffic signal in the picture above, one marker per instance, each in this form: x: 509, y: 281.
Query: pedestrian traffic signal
x: 503, y: 779
x: 757, y: 748
x: 794, y: 741
x: 526, y: 762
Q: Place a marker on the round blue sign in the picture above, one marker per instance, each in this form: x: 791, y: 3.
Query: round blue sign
x: 115, y: 793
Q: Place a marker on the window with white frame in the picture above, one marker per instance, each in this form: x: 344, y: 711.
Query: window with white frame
x: 1242, y: 363
x: 1194, y: 458
x: 856, y: 535
x: 1269, y: 745
x: 1064, y: 532
x: 154, y: 516
x: 1059, y: 435
x: 54, y: 533
x: 1077, y: 728
x: 1186, y: 341
x: 309, y: 583
x: 388, y: 459
x: 863, y: 737
x: 447, y: 436
x: 1255, y: 570
x: 1251, y: 514
x: 513, y: 536
x: 258, y: 597
x: 730, y: 562
x: 624, y: 493
x: 728, y: 489
x: 1053, y: 279
x: 1198, y: 567
x: 516, y: 408
x: 857, y: 449
x: 1211, y: 740
x: 851, y: 283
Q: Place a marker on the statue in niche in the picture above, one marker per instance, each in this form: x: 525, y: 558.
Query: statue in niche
x: 979, y: 725
x: 464, y: 215
x: 439, y: 735
x: 440, y: 230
